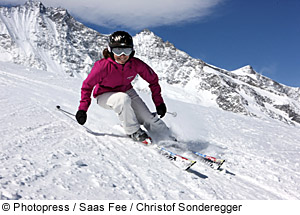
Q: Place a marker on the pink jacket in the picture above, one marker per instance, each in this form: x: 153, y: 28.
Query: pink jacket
x: 109, y: 76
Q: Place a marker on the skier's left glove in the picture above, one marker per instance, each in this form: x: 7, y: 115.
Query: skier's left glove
x: 161, y: 110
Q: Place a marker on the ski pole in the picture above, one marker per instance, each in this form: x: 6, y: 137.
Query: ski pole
x: 58, y: 107
x: 174, y: 114
x: 71, y: 114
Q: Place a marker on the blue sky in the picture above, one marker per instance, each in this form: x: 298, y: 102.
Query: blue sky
x: 226, y: 33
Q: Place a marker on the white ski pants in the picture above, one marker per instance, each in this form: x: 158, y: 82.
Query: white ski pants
x: 132, y: 112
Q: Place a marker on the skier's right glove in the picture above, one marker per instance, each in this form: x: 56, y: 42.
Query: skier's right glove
x: 81, y: 117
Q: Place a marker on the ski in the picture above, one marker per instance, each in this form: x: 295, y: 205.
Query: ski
x: 179, y: 161
x: 213, y: 162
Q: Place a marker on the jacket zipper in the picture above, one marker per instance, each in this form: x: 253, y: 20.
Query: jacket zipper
x: 123, y: 74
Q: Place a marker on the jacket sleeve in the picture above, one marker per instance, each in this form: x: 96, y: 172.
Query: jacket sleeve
x: 147, y: 73
x: 88, y: 85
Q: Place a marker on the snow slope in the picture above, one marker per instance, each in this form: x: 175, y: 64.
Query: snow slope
x: 46, y: 155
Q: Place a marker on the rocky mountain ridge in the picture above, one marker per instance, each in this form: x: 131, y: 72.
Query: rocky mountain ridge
x: 51, y: 39
x: 241, y: 91
x: 34, y: 35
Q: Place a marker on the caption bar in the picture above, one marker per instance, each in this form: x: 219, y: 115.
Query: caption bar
x: 135, y: 207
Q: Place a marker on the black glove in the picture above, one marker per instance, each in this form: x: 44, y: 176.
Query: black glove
x: 81, y: 117
x: 161, y: 110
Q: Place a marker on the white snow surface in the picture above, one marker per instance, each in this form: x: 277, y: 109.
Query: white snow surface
x: 46, y: 155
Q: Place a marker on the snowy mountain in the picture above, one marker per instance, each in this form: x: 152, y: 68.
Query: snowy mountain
x: 47, y: 38
x: 50, y: 39
x: 45, y: 154
x: 240, y: 91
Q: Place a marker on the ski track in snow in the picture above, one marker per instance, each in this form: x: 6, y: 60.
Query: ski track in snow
x: 46, y: 155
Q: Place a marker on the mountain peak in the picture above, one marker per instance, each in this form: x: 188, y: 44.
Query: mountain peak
x: 32, y: 3
x: 146, y: 34
x: 245, y: 70
x: 35, y: 4
x: 248, y: 69
x: 146, y: 31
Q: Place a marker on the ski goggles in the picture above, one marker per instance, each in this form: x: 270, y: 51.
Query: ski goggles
x: 120, y: 51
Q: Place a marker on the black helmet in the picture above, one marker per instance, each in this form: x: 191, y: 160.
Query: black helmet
x: 120, y: 39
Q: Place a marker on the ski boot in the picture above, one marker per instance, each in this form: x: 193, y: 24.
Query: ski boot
x: 141, y: 136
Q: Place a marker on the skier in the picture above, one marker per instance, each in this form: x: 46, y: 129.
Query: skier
x: 112, y: 76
